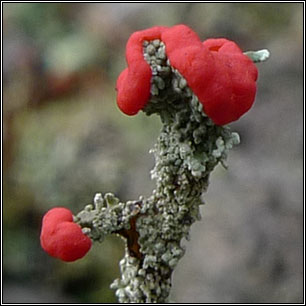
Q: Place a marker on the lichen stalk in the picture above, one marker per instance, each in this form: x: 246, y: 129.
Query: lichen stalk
x: 188, y: 148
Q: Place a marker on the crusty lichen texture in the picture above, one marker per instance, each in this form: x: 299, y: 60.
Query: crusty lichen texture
x: 188, y: 148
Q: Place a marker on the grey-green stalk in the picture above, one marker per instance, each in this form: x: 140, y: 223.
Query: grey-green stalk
x: 188, y: 149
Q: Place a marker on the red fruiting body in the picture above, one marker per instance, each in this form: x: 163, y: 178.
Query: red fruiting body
x: 233, y: 89
x: 220, y: 75
x: 62, y: 238
x: 133, y: 84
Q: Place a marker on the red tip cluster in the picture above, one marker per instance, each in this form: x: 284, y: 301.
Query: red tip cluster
x: 62, y: 238
x: 222, y: 77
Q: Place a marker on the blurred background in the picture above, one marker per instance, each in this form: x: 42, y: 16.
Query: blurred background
x: 65, y: 139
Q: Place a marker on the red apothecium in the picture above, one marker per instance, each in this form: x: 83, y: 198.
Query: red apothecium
x: 220, y: 75
x: 133, y: 84
x: 62, y: 238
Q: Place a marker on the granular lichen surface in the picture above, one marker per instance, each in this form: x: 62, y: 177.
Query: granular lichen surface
x: 189, y: 147
x: 193, y: 140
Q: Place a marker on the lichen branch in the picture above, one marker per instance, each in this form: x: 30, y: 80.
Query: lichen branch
x: 189, y: 147
x: 196, y: 88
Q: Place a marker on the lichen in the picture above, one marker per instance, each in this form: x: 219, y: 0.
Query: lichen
x: 188, y: 148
